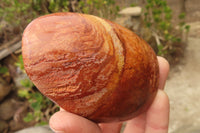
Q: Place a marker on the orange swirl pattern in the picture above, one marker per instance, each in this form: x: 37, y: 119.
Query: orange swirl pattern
x: 90, y: 66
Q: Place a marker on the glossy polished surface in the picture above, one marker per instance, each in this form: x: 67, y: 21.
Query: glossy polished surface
x: 90, y: 66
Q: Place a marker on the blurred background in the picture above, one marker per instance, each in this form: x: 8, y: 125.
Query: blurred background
x: 171, y: 27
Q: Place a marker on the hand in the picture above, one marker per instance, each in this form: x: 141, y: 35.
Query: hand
x: 155, y: 120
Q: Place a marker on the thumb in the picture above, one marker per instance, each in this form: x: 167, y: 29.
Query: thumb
x: 65, y: 122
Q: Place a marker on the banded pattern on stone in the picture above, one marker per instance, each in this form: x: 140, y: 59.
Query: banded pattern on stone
x: 84, y: 64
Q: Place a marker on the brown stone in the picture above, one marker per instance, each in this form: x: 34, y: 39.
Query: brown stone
x: 3, y: 126
x: 8, y: 109
x: 15, y: 125
x: 88, y: 72
x: 4, y: 91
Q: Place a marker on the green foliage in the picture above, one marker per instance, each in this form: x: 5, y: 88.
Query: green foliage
x: 15, y: 12
x: 26, y: 83
x: 29, y: 117
x: 182, y: 16
x: 50, y: 6
x: 187, y: 28
x: 103, y: 8
x: 3, y: 70
x: 182, y: 24
x: 21, y: 12
x: 38, y: 103
x: 20, y: 63
x: 133, y: 5
x: 40, y: 106
x: 157, y: 17
x: 24, y: 93
x: 55, y: 5
x: 161, y: 51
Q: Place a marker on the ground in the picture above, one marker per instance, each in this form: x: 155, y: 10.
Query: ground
x: 183, y: 88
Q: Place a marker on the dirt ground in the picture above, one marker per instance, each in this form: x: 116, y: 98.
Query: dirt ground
x: 183, y: 88
x: 183, y: 85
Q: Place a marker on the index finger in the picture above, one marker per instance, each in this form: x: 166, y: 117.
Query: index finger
x: 163, y: 71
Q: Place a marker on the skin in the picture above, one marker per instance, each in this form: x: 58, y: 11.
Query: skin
x: 155, y: 120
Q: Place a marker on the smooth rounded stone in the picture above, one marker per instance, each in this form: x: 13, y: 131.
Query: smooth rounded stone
x: 132, y: 11
x: 16, y: 125
x: 39, y: 129
x: 114, y: 60
x: 8, y: 109
x: 3, y: 126
x: 4, y: 90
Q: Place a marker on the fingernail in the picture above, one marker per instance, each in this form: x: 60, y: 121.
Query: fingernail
x: 57, y: 131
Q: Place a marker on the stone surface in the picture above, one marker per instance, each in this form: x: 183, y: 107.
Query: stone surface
x: 132, y: 23
x: 86, y: 95
x: 8, y: 109
x: 39, y: 129
x: 3, y: 126
x: 4, y: 91
x: 132, y: 11
x: 16, y: 125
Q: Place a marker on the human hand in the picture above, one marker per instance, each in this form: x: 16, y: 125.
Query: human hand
x: 155, y: 120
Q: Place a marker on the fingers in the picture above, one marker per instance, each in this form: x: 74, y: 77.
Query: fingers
x: 155, y: 120
x: 65, y: 122
x: 138, y: 124
x: 163, y: 71
x: 157, y: 117
x: 111, y: 127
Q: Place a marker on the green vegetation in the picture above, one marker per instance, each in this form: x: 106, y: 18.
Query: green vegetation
x: 102, y: 8
x: 158, y: 17
x: 20, y: 63
x: 4, y: 73
x: 3, y: 70
x: 16, y: 13
x: 21, y: 12
x: 40, y: 107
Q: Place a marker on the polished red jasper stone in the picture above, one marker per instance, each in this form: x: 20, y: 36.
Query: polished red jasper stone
x: 90, y: 66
